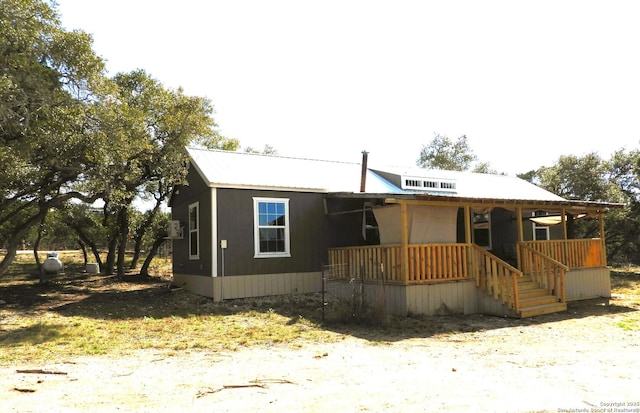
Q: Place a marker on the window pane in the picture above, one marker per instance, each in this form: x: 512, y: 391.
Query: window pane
x: 193, y: 218
x: 482, y: 237
x: 263, y: 219
x: 271, y: 214
x: 542, y: 233
x: 272, y: 240
x: 193, y: 244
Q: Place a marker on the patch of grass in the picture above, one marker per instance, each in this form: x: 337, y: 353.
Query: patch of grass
x: 67, y: 337
x: 81, y: 315
x: 84, y: 315
x: 625, y: 281
x: 630, y: 323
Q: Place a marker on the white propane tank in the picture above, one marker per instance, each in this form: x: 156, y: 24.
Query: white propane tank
x: 52, y: 264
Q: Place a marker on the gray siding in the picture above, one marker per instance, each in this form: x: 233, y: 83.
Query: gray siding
x: 426, y: 299
x: 244, y: 286
x: 307, y: 227
x: 586, y: 283
x: 196, y: 191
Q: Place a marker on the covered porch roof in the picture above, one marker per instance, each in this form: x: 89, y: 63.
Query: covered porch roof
x: 571, y: 206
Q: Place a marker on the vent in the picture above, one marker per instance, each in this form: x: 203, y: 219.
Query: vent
x: 428, y: 184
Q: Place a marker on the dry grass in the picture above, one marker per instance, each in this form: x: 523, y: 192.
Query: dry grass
x: 625, y: 285
x: 79, y: 314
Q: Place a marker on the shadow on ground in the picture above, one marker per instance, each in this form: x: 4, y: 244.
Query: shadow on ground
x: 108, y: 297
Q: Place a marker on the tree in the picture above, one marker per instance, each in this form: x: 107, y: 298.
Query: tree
x: 158, y: 230
x: 579, y: 178
x: 68, y: 132
x: 484, y: 168
x: 590, y: 178
x: 623, y: 224
x: 146, y: 128
x: 443, y: 153
x: 267, y: 150
x: 48, y: 76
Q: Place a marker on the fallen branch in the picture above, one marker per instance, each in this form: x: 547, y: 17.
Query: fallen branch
x: 273, y: 381
x: 261, y: 383
x: 40, y: 371
x: 24, y: 390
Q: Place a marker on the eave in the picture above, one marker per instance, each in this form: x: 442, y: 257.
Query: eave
x: 483, y: 202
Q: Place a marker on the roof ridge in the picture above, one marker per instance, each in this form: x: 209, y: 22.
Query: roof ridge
x: 270, y: 155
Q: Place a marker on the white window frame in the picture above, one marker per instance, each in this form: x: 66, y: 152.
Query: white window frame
x: 257, y: 227
x: 194, y: 229
x: 537, y: 227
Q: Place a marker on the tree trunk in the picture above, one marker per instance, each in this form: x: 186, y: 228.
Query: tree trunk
x: 139, y: 236
x: 84, y: 241
x: 16, y: 237
x: 12, y: 248
x: 144, y: 271
x: 137, y: 248
x: 36, y: 246
x: 123, y: 218
x: 83, y: 248
x: 110, y: 263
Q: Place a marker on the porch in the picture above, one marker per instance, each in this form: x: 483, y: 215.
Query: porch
x: 427, y: 277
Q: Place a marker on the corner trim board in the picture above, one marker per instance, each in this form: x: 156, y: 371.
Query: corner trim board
x: 214, y: 233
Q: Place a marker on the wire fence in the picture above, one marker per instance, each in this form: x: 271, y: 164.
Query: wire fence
x: 347, y: 297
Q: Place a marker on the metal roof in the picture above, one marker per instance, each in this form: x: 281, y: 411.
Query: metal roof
x: 225, y: 169
x: 245, y: 170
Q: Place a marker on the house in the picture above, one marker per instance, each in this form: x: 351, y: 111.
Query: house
x: 250, y: 225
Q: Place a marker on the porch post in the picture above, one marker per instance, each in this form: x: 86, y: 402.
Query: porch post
x: 404, y: 220
x: 468, y: 240
x: 467, y: 224
x: 565, y: 246
x: 519, y: 220
x: 520, y: 234
x: 603, y: 247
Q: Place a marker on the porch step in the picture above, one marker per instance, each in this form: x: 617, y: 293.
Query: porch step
x: 525, y: 279
x: 528, y: 285
x: 534, y: 292
x: 537, y: 301
x: 542, y: 309
x: 534, y: 300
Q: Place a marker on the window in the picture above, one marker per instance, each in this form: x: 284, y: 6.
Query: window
x: 194, y: 231
x: 540, y: 232
x: 445, y: 185
x: 271, y: 227
x: 482, y: 229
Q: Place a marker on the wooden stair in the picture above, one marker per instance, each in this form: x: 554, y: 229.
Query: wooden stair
x: 534, y: 300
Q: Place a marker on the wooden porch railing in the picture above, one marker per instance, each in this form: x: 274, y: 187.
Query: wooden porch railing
x: 574, y: 253
x: 427, y: 262
x: 495, y: 277
x: 438, y: 262
x: 371, y: 262
x: 543, y: 269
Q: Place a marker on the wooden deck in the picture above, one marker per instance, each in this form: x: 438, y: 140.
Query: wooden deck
x: 542, y: 266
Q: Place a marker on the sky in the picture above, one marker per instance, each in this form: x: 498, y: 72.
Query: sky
x: 526, y: 82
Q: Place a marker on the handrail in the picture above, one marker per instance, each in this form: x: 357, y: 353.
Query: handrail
x: 496, y: 277
x: 431, y: 263
x: 550, y: 273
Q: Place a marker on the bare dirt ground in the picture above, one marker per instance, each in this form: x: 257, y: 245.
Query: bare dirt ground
x: 579, y: 361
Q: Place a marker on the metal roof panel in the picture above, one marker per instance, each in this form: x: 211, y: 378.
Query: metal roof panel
x: 246, y: 170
